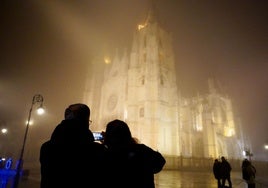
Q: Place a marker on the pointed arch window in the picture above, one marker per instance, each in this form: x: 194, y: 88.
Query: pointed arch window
x: 144, y: 42
x: 142, y: 80
x: 160, y: 43
x: 144, y: 57
x: 141, y: 112
x: 162, y: 80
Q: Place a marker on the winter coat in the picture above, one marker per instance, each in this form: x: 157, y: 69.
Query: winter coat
x: 71, y: 158
x: 133, y: 166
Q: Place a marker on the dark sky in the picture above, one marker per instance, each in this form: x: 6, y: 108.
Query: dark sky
x: 47, y: 46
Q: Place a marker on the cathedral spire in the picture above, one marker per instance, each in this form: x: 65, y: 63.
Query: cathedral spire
x: 152, y: 17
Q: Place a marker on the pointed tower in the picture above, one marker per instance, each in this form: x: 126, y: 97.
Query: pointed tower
x: 152, y: 96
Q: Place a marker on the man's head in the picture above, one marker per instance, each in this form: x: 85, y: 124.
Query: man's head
x: 77, y: 111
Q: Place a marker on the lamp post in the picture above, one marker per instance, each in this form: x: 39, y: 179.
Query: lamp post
x: 36, y: 99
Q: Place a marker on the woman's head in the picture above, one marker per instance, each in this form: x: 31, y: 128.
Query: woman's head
x: 117, y: 133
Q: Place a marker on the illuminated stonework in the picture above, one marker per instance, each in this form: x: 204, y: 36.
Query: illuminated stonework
x: 140, y: 88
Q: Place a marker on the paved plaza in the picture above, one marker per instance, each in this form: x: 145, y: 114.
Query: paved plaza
x: 179, y: 179
x: 169, y: 179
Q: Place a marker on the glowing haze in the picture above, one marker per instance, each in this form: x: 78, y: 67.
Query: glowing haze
x: 47, y: 48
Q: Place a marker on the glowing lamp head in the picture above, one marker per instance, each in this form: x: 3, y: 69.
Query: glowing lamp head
x: 4, y: 130
x: 40, y: 110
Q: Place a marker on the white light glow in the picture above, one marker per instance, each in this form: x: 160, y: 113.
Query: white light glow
x: 4, y: 130
x: 40, y: 111
x: 30, y: 123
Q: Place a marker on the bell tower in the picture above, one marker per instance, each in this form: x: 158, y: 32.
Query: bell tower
x: 152, y: 96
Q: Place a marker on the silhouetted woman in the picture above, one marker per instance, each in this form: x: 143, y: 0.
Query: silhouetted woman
x: 129, y: 164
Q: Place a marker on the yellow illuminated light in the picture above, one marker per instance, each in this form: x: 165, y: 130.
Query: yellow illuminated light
x: 229, y: 132
x: 141, y: 26
x: 30, y: 123
x: 107, y: 60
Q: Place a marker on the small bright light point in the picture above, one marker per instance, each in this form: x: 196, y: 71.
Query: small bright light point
x: 107, y: 60
x: 4, y: 131
x: 266, y: 146
x: 40, y: 111
x: 30, y: 123
x: 141, y: 26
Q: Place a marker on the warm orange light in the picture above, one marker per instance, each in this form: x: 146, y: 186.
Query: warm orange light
x: 107, y: 60
x: 141, y: 26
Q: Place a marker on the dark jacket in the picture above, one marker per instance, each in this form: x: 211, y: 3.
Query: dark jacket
x: 71, y: 158
x: 133, y: 166
x: 248, y: 172
x: 225, y: 169
x: 217, y: 169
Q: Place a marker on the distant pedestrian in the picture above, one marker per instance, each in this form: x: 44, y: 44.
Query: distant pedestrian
x: 248, y: 173
x: 71, y: 158
x: 217, y: 171
x: 226, y: 172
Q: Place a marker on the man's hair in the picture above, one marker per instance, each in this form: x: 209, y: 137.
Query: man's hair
x: 77, y: 111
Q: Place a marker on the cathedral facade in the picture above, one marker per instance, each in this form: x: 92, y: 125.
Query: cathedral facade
x: 140, y: 87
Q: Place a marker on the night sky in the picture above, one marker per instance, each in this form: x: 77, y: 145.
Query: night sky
x: 47, y: 47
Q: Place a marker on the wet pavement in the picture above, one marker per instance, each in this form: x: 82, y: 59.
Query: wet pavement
x: 169, y: 179
x: 179, y: 179
x: 182, y: 179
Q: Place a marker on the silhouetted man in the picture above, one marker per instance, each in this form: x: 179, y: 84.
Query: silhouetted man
x: 71, y: 158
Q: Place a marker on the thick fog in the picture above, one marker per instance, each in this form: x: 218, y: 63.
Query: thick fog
x: 47, y: 48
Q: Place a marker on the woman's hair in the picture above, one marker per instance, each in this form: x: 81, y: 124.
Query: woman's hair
x: 117, y: 134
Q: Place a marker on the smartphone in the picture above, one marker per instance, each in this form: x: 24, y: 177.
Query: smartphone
x: 98, y: 136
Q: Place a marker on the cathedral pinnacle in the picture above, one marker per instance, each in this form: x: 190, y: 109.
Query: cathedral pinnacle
x: 151, y: 18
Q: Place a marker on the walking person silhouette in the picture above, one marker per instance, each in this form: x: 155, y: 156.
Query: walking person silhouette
x: 248, y: 173
x: 226, y: 172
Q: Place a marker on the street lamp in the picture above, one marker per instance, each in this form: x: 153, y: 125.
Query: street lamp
x: 36, y: 99
x: 4, y: 131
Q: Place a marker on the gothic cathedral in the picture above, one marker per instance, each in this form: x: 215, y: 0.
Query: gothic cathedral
x: 140, y: 88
